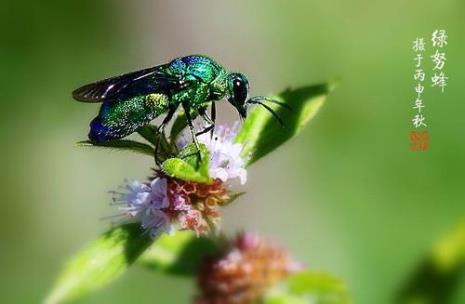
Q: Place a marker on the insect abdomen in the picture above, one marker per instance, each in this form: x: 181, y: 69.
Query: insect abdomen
x: 118, y: 119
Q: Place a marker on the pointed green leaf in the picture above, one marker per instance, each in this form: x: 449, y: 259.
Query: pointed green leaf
x: 233, y: 197
x: 308, y: 287
x: 178, y: 125
x: 190, y: 156
x: 261, y: 133
x: 127, y: 145
x: 179, y: 254
x: 175, y: 167
x: 187, y: 166
x: 100, y: 262
x: 149, y: 133
x: 155, y: 137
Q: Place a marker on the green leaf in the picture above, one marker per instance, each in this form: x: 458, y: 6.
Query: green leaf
x: 180, y: 254
x: 279, y: 297
x: 438, y: 275
x: 149, y: 133
x: 187, y: 166
x: 261, y: 133
x: 128, y: 145
x: 100, y: 262
x: 308, y: 287
x: 155, y: 137
x: 180, y: 123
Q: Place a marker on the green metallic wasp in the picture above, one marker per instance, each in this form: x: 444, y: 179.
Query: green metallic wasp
x: 130, y: 101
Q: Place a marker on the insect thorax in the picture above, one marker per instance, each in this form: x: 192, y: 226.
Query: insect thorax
x: 205, y: 80
x: 218, y: 87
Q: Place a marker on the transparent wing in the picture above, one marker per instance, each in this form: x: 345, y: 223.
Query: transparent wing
x: 124, y: 86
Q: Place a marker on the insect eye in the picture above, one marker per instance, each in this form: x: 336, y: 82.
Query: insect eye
x: 240, y: 90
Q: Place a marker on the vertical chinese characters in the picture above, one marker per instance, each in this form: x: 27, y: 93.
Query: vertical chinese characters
x: 419, y: 76
x: 419, y: 138
x: 439, y: 40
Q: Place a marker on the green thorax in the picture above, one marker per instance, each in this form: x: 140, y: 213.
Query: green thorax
x: 203, y: 78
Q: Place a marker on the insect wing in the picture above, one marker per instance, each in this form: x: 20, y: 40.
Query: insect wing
x: 125, y: 86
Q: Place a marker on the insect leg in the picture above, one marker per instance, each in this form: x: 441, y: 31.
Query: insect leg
x: 213, y: 114
x: 209, y: 120
x: 161, y: 131
x: 209, y: 128
x: 186, y: 108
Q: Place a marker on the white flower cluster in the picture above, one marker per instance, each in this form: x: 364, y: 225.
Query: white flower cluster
x: 165, y: 205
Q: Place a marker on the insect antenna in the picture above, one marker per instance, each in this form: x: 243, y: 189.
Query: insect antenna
x: 276, y: 115
x: 258, y: 98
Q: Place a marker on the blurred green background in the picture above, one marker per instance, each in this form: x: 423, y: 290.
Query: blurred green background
x: 347, y: 196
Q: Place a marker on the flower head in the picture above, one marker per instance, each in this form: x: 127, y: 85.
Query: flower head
x: 226, y: 160
x: 166, y: 203
x: 243, y: 271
